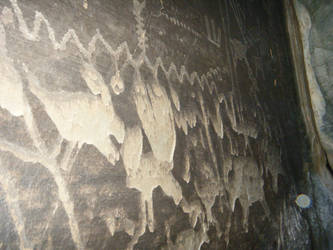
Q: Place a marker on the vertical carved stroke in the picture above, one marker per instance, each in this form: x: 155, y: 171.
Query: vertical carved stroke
x: 50, y: 164
x: 12, y: 96
x: 12, y: 201
x: 213, y: 34
x: 140, y: 30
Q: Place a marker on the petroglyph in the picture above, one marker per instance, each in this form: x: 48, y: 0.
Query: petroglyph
x: 246, y: 184
x: 12, y: 96
x: 187, y: 168
x: 213, y: 32
x: 49, y: 163
x: 138, y: 176
x: 273, y: 163
x: 195, y: 210
x: 96, y: 83
x: 85, y: 4
x: 154, y: 109
x: 185, y: 120
x: 7, y: 16
x: 239, y: 16
x: 71, y: 37
x: 131, y: 150
x: 188, y: 239
x: 116, y: 221
x: 154, y: 173
x: 145, y: 172
x: 181, y: 24
x: 208, y: 188
x: 140, y: 26
x: 81, y: 117
x: 91, y: 118
x: 117, y: 84
x: 12, y: 200
x: 11, y: 87
x: 175, y: 98
x: 240, y: 54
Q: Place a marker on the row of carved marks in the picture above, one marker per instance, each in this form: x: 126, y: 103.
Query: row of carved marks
x: 191, y: 21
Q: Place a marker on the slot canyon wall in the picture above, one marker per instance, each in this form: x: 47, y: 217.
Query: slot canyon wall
x: 144, y: 124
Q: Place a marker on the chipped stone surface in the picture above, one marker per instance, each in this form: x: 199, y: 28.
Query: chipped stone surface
x: 114, y: 136
x: 310, y: 31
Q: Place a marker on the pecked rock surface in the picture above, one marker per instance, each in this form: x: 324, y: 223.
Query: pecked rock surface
x: 148, y: 125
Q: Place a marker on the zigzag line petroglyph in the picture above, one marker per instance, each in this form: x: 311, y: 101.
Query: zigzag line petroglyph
x: 71, y: 36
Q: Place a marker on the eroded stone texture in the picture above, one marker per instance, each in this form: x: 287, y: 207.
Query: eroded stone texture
x: 310, y: 31
x: 147, y: 125
x: 315, y: 22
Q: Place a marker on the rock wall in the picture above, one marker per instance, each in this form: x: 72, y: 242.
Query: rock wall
x: 148, y: 125
x: 310, y: 33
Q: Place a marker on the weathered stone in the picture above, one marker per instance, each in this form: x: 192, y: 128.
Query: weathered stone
x: 149, y: 125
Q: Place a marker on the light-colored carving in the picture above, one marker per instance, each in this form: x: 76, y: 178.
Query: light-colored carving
x: 12, y: 97
x: 248, y: 130
x: 96, y: 83
x: 140, y: 26
x: 188, y: 239
x: 12, y: 200
x: 90, y: 118
x: 273, y: 163
x: 175, y: 98
x: 239, y: 16
x: 208, y: 188
x: 145, y: 173
x: 195, y: 211
x: 117, y: 84
x: 213, y: 33
x: 246, y: 185
x: 116, y: 221
x: 181, y: 24
x: 154, y: 109
x: 11, y: 87
x: 63, y: 194
x: 7, y: 16
x: 186, y: 119
x: 187, y: 169
x: 85, y: 4
x: 81, y: 117
x: 131, y: 150
x: 151, y: 174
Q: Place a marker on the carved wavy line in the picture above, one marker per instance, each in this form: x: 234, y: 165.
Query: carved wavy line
x: 71, y: 36
x: 183, y: 74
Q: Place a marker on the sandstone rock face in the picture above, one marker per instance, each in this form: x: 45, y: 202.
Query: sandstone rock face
x: 148, y: 125
x: 311, y: 32
x: 315, y: 20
